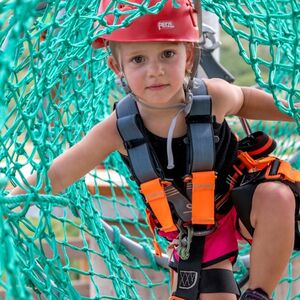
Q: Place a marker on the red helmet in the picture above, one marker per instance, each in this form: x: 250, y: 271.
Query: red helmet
x: 170, y: 24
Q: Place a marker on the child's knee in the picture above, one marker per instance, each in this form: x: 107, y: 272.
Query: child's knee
x: 264, y: 202
x: 273, y: 200
x: 271, y: 191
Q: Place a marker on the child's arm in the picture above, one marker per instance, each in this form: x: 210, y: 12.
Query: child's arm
x: 246, y: 102
x: 260, y: 105
x: 82, y: 157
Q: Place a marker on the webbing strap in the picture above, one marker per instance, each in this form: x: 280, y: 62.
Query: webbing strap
x: 283, y: 170
x: 200, y: 189
x: 199, y: 87
x: 211, y: 281
x: 126, y: 106
x: 152, y: 225
x: 130, y: 126
x: 155, y: 196
x: 181, y: 204
x: 188, y: 283
x: 203, y: 197
x: 202, y: 159
x: 277, y: 169
x: 257, y: 164
x: 139, y: 153
x: 200, y: 129
x: 218, y: 281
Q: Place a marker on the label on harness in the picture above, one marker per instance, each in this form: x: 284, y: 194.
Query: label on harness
x: 187, y: 279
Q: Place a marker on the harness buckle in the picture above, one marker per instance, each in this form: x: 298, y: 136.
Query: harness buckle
x: 280, y: 169
x: 272, y: 171
x: 254, y: 165
x: 134, y: 143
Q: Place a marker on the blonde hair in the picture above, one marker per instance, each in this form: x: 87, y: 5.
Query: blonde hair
x: 114, y: 49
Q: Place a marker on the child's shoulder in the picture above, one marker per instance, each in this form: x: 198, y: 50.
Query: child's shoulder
x: 107, y: 131
x: 219, y: 88
x: 227, y: 98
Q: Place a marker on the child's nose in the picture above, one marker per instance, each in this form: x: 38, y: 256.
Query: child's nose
x: 155, y: 68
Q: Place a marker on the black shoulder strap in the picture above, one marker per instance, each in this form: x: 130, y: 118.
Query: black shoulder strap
x: 131, y: 129
x: 201, y: 134
x: 199, y: 87
x: 126, y: 106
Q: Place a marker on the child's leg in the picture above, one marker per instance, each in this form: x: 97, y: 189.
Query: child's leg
x: 273, y: 217
x: 226, y: 264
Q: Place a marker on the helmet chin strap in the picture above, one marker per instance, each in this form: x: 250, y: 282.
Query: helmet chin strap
x: 197, y: 50
x: 188, y: 104
x: 196, y: 62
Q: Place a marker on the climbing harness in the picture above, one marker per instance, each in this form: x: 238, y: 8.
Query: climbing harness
x: 168, y: 209
x: 197, y: 207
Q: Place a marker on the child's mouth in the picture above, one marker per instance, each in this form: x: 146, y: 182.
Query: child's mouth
x: 156, y: 87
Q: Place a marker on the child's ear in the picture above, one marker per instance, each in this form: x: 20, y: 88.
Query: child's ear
x: 113, y: 65
x: 189, y: 56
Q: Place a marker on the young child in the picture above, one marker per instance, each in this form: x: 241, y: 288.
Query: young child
x: 156, y: 57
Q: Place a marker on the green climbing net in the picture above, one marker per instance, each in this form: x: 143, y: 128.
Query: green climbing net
x: 53, y: 88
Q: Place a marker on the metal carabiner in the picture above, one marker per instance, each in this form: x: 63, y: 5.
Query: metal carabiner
x: 206, y: 231
x: 208, y: 34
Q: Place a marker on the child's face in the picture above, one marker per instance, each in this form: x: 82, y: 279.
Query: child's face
x: 154, y: 71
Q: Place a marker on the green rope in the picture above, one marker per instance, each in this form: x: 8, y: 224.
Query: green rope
x: 54, y: 87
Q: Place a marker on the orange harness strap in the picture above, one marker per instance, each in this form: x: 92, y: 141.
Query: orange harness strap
x: 203, y: 198
x: 284, y: 171
x: 151, y: 224
x: 155, y: 196
x: 255, y: 164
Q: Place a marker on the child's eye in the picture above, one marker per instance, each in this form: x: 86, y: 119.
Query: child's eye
x: 138, y: 59
x: 168, y: 53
